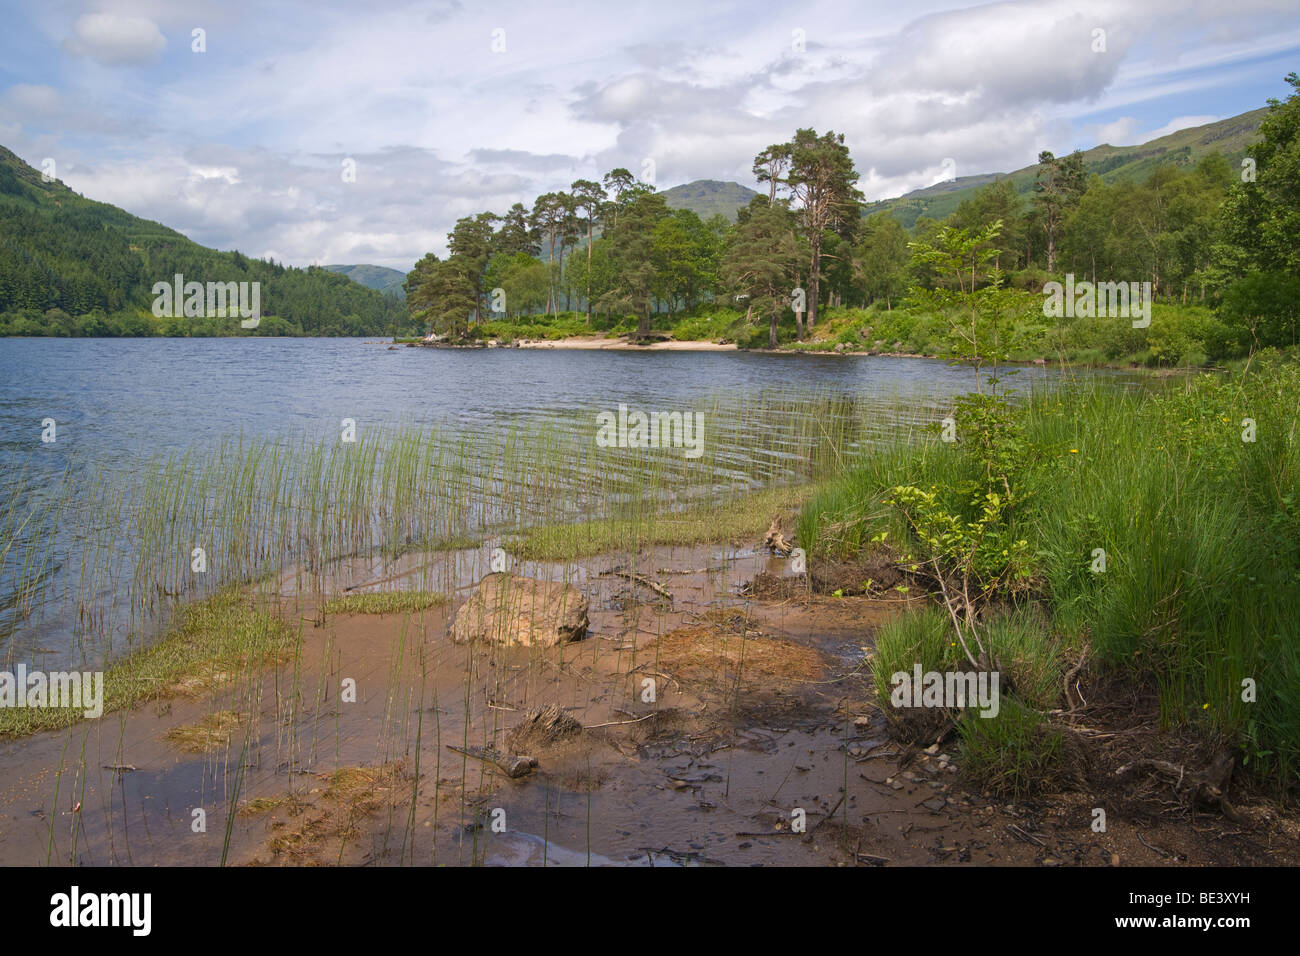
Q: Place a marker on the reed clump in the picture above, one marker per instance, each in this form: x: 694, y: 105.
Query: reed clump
x: 385, y: 602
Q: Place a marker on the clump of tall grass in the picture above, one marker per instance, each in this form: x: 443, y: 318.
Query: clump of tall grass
x: 214, y: 641
x: 1027, y: 660
x: 213, y: 732
x: 385, y: 602
x: 1014, y: 752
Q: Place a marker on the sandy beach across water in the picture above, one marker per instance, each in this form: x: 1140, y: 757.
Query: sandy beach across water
x: 592, y: 343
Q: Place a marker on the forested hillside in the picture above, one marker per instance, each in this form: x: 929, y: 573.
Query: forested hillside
x: 73, y: 266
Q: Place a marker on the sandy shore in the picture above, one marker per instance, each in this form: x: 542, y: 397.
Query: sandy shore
x: 591, y: 343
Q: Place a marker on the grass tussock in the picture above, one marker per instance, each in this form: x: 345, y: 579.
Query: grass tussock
x: 213, y: 732
x: 214, y: 641
x: 743, y: 520
x: 324, y: 830
x: 261, y: 805
x: 385, y: 602
x: 1014, y: 753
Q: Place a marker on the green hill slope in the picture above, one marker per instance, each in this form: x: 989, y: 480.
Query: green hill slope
x: 381, y: 278
x: 73, y: 266
x: 707, y: 197
x: 1229, y: 137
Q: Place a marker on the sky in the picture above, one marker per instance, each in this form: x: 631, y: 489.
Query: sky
x: 331, y: 132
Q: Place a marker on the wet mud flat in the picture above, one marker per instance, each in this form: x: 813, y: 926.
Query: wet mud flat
x: 695, y: 724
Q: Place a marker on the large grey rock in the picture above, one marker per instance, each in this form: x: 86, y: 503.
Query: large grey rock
x: 515, y: 611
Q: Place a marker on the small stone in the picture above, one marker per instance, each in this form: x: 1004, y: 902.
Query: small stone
x: 934, y: 804
x: 932, y: 749
x: 861, y: 722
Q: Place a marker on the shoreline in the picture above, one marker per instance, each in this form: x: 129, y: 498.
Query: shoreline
x: 584, y: 343
x: 594, y: 343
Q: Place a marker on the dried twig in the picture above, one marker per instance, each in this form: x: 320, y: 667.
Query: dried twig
x: 644, y: 582
x: 1069, y: 676
x: 616, y: 723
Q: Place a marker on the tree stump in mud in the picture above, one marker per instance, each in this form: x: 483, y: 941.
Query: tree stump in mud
x: 775, y: 542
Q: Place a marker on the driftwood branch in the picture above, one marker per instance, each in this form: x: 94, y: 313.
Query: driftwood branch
x: 511, y: 766
x: 1071, y: 674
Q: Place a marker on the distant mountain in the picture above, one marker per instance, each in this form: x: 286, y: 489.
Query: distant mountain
x: 387, y: 281
x: 1229, y: 137
x: 707, y: 197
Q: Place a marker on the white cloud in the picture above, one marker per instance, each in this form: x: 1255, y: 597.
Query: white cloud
x: 1120, y: 132
x: 113, y: 39
x: 242, y: 146
x: 33, y: 99
x: 1126, y: 130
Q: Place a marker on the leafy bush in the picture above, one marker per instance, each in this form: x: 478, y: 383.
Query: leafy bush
x: 1262, y: 309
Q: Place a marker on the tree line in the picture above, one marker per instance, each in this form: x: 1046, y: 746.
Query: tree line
x: 1204, y: 233
x: 616, y: 248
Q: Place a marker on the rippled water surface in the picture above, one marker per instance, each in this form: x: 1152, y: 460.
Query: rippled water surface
x: 236, y: 443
